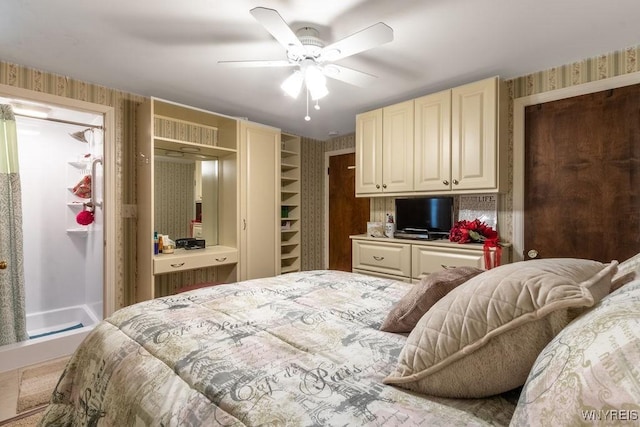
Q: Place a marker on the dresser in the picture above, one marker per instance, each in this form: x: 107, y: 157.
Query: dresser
x: 410, y: 260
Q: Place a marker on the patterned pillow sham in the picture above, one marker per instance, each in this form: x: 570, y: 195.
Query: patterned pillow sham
x: 404, y: 314
x: 483, y: 337
x: 588, y: 374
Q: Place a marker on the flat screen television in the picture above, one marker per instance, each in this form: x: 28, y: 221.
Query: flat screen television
x: 424, y: 217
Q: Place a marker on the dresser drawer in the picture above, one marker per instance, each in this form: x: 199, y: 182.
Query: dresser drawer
x: 183, y: 259
x: 427, y: 260
x: 382, y: 257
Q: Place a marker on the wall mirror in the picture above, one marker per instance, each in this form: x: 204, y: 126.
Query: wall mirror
x: 186, y: 195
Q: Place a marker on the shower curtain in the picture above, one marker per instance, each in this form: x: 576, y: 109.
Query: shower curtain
x: 13, y: 323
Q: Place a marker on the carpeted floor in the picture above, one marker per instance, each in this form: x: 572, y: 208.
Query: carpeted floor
x: 37, y: 384
x: 28, y: 419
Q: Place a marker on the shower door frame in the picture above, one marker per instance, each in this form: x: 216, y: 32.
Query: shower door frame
x: 110, y: 243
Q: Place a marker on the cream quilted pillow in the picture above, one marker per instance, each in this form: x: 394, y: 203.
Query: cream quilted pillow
x: 483, y: 337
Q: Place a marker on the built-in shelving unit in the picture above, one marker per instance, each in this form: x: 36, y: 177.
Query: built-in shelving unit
x: 177, y: 146
x: 290, y: 203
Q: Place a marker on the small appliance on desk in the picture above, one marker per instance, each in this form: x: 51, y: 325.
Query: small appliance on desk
x: 424, y: 218
x: 190, y: 243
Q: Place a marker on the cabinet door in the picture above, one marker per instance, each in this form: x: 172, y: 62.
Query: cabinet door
x: 432, y: 168
x: 260, y: 201
x: 369, y: 152
x: 474, y: 135
x: 397, y: 147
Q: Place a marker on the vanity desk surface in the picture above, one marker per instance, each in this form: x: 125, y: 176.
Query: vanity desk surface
x: 183, y: 259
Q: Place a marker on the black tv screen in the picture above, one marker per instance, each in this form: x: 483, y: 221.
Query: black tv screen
x: 431, y: 214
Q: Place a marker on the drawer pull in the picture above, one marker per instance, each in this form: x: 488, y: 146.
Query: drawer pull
x: 180, y: 264
x: 221, y: 259
x: 378, y: 258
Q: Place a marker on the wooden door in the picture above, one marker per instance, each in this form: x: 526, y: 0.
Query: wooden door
x: 348, y: 215
x: 582, y: 176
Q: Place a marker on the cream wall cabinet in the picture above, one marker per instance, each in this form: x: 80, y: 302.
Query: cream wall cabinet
x: 171, y: 130
x: 432, y: 170
x: 458, y: 144
x: 476, y: 120
x: 384, y: 147
x: 409, y: 261
x: 259, y: 187
x: 290, y: 210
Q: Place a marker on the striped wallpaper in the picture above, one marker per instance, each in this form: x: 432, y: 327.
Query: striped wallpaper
x: 312, y: 180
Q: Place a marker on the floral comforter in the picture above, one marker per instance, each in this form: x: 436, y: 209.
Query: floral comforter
x: 301, y: 349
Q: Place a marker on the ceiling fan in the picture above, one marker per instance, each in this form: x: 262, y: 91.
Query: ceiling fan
x: 311, y: 58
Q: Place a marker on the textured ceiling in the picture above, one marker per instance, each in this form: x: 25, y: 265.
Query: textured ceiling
x: 170, y: 49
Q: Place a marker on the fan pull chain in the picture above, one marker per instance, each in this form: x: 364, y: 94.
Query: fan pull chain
x: 307, y: 117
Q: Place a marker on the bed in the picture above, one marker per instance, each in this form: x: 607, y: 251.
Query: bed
x: 542, y: 342
x: 301, y: 349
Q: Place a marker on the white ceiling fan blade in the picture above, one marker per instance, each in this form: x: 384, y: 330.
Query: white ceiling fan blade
x: 368, y: 38
x: 256, y: 64
x: 348, y: 75
x: 274, y: 24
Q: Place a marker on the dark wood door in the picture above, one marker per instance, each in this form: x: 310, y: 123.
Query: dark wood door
x: 348, y: 215
x: 582, y: 176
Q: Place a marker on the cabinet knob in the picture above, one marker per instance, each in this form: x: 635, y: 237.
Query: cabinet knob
x: 3, y: 265
x: 223, y: 259
x: 455, y: 182
x: 384, y: 185
x: 378, y: 186
x: 445, y: 182
x: 179, y: 264
x: 532, y: 253
x: 378, y: 258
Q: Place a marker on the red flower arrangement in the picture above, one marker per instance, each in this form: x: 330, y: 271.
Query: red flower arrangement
x: 477, y: 231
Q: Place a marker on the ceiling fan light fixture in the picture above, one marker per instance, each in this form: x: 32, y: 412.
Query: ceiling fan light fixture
x: 316, y: 82
x: 293, y: 84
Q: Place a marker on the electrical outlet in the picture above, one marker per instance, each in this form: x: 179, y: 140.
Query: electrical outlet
x: 129, y: 211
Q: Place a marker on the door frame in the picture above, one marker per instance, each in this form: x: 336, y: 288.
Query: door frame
x: 519, y: 105
x: 109, y: 161
x: 327, y: 157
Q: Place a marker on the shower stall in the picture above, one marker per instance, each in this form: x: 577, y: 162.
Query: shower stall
x: 62, y: 180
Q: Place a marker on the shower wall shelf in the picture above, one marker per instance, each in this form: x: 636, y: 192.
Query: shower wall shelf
x: 84, y: 164
x: 82, y: 232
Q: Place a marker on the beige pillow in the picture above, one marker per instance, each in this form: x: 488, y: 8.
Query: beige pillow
x: 628, y: 270
x: 405, y: 313
x: 589, y: 371
x: 483, y: 337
